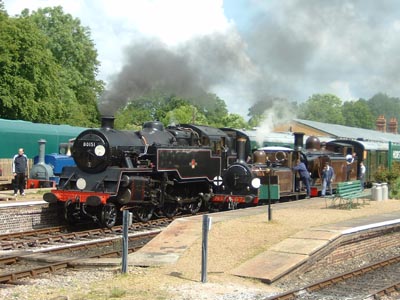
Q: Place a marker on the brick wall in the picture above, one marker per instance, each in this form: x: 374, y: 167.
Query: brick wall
x: 355, y: 245
x: 25, y: 218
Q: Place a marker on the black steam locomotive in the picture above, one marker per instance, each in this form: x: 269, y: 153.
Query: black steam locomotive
x: 155, y: 170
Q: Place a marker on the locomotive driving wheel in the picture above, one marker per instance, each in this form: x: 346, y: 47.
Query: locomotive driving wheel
x: 170, y: 209
x: 68, y: 212
x: 194, y: 207
x: 144, y: 213
x: 109, y: 215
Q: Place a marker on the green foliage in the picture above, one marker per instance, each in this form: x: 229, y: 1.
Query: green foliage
x: 384, y: 175
x: 47, y: 69
x: 358, y: 114
x: 394, y: 190
x: 29, y: 76
x: 382, y: 104
x: 392, y: 177
x: 170, y: 109
x: 212, y: 107
x: 326, y: 108
x: 116, y: 292
x: 74, y: 51
x: 389, y: 176
x: 184, y: 114
x: 234, y: 121
x: 2, y: 9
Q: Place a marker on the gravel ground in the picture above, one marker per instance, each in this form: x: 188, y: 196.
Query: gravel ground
x: 230, y: 243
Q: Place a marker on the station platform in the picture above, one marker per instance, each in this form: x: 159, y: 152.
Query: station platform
x: 32, y: 197
x: 268, y: 266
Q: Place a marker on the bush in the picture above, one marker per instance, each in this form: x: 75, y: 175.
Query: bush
x: 395, y: 189
x: 392, y: 177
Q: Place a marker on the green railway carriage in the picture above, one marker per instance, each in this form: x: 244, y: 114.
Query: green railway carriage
x: 16, y: 134
x: 376, y: 155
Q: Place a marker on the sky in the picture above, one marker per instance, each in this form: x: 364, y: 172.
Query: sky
x: 242, y: 50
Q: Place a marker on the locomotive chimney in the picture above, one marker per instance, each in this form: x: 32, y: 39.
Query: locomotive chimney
x: 241, y: 143
x: 298, y: 141
x: 42, y: 150
x: 107, y: 122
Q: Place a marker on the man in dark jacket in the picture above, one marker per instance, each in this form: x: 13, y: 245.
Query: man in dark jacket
x: 19, y: 169
x: 304, y: 175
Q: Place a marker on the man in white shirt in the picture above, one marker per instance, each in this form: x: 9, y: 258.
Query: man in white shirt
x: 349, y: 161
x: 363, y: 170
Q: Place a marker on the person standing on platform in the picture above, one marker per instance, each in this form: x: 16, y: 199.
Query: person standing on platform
x: 304, y: 175
x: 328, y: 174
x: 19, y: 170
x: 363, y: 170
x: 349, y: 162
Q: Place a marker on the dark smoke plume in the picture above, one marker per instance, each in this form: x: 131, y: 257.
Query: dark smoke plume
x: 189, y: 71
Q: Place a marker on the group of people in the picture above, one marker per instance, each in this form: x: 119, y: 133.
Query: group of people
x: 350, y: 158
x: 328, y: 174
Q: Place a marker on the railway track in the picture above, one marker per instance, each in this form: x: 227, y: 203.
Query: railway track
x: 51, y: 249
x: 60, y: 235
x: 369, y: 282
x: 50, y: 260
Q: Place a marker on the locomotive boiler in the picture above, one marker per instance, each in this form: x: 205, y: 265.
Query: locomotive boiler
x: 155, y: 170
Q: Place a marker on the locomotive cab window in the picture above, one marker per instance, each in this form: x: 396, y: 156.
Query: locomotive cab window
x: 205, y: 141
x: 217, y: 147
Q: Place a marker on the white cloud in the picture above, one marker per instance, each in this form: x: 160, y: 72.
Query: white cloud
x: 342, y: 90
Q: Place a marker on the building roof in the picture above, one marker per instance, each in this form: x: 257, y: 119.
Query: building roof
x: 346, y: 132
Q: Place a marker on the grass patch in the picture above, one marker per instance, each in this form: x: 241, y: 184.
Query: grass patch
x: 116, y: 292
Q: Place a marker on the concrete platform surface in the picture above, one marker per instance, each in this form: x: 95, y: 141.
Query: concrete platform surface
x: 283, y: 257
x: 268, y: 266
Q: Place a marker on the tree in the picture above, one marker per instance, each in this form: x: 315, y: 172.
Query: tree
x: 2, y: 9
x: 30, y: 87
x: 185, y: 114
x: 234, y: 121
x: 213, y: 107
x: 47, y: 69
x: 170, y: 108
x: 74, y: 51
x: 382, y: 104
x: 358, y: 114
x: 326, y: 108
x: 147, y: 108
